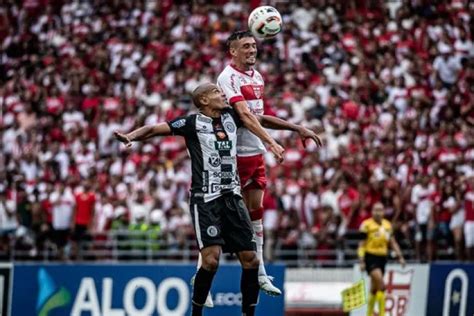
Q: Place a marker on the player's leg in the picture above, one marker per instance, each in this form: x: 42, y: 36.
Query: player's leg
x: 206, y: 219
x: 209, y: 302
x: 239, y: 238
x: 254, y: 200
x: 249, y: 281
x: 204, y: 276
x: 253, y: 180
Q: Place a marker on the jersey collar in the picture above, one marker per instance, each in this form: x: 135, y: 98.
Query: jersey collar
x: 243, y: 72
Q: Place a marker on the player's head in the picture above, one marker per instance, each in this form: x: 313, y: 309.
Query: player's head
x: 243, y: 48
x: 377, y: 211
x: 209, y: 95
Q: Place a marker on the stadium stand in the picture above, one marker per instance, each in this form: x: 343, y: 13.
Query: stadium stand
x: 390, y: 84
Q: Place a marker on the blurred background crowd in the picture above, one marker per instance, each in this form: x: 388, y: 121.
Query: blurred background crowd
x: 391, y: 84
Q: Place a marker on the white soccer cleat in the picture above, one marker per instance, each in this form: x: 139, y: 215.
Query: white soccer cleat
x: 209, y: 302
x: 267, y: 286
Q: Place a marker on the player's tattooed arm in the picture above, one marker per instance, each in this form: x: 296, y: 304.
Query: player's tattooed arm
x: 273, y: 122
x: 143, y: 133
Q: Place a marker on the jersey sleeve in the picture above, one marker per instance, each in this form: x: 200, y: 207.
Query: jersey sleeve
x: 235, y: 116
x: 230, y: 85
x: 181, y: 126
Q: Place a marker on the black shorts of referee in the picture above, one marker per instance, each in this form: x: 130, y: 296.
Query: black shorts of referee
x: 373, y: 262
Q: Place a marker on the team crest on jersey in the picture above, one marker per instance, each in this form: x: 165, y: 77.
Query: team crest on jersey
x: 229, y: 127
x: 258, y: 91
x: 215, y: 161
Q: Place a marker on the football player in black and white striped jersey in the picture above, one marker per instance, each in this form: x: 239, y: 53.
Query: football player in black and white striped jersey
x: 220, y: 217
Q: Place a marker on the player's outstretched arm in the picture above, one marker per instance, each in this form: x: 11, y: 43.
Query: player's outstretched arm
x: 143, y: 133
x: 273, y: 122
x: 251, y: 122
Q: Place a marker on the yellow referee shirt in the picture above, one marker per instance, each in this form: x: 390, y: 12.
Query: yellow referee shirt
x: 378, y: 236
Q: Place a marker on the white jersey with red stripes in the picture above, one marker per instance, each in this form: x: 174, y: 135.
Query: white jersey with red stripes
x: 244, y: 86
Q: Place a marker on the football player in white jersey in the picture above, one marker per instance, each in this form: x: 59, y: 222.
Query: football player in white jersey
x: 243, y: 86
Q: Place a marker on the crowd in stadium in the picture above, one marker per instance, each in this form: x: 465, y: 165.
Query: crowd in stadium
x: 389, y: 85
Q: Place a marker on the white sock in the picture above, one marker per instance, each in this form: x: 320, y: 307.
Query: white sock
x: 258, y: 230
x: 199, y: 264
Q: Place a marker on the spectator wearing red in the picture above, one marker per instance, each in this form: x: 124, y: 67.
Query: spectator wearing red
x: 82, y: 220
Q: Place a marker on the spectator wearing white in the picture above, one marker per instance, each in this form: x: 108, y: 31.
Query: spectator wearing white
x: 469, y: 217
x: 63, y: 204
x: 8, y: 220
x: 139, y: 206
x: 421, y: 195
x: 447, y: 66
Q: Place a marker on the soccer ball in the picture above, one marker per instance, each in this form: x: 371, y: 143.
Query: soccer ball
x: 265, y: 22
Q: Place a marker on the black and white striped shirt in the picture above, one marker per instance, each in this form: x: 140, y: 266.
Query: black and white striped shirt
x: 211, y: 143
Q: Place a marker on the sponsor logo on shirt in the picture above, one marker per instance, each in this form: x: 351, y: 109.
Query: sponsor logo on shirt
x: 223, y: 145
x: 204, y: 119
x: 223, y: 174
x: 179, y: 123
x: 216, y: 187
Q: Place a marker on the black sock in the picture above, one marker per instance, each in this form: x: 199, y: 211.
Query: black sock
x: 249, y: 287
x: 202, y: 285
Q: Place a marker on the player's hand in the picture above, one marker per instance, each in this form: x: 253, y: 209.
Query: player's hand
x: 402, y: 262
x: 123, y: 138
x: 277, y: 151
x: 306, y: 133
x: 362, y: 266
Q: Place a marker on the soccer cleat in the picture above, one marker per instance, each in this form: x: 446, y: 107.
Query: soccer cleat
x: 209, y: 303
x: 266, y: 285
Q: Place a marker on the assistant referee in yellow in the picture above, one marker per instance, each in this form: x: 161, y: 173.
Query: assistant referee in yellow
x: 373, y: 252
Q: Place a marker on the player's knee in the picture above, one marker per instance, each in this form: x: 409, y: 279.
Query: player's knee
x: 250, y: 260
x: 210, y: 263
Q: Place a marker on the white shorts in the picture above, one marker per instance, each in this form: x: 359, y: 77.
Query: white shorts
x: 457, y: 220
x: 469, y: 234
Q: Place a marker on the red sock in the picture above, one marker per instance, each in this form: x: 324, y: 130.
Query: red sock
x: 256, y: 214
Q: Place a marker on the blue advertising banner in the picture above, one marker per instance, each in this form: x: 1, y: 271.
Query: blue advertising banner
x: 120, y: 290
x: 451, y: 290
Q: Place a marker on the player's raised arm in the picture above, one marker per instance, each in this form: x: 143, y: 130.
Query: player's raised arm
x: 143, y: 133
x: 273, y: 122
x: 251, y: 122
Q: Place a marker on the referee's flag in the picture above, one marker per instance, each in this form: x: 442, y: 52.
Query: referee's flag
x: 354, y: 297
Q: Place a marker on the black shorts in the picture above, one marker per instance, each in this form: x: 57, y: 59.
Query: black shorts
x: 80, y: 233
x: 374, y: 262
x: 224, y: 221
x: 60, y: 237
